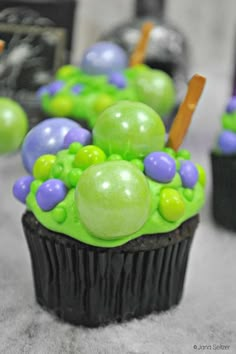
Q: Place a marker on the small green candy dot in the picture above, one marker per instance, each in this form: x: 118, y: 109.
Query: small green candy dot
x: 201, y: 174
x: 75, y: 147
x: 178, y: 164
x: 74, y: 176
x: 35, y: 185
x: 59, y: 214
x: 138, y: 163
x: 57, y: 170
x: 171, y: 205
x: 114, y: 157
x: 188, y: 193
x: 169, y: 151
x: 184, y: 154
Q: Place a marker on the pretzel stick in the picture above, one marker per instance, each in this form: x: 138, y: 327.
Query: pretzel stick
x: 2, y: 46
x: 138, y: 55
x: 183, y: 117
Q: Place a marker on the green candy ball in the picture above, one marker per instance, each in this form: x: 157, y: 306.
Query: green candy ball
x: 171, y: 205
x: 13, y: 125
x: 156, y: 89
x: 113, y: 199
x: 130, y: 129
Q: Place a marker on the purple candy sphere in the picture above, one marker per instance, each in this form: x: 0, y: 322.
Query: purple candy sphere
x: 231, y: 106
x: 160, y: 166
x: 54, y: 87
x: 21, y: 188
x: 77, y: 89
x: 103, y: 58
x: 45, y: 138
x: 117, y: 79
x: 189, y: 174
x: 80, y: 135
x: 227, y: 142
x: 42, y: 91
x: 50, y: 193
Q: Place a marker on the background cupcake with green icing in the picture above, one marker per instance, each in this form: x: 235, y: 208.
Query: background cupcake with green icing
x: 111, y: 215
x: 223, y: 159
x: 105, y: 76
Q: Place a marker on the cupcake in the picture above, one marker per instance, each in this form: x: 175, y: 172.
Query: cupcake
x: 109, y: 225
x: 103, y: 78
x: 223, y: 161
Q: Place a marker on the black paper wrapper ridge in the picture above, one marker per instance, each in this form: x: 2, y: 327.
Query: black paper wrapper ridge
x: 224, y: 190
x: 93, y: 286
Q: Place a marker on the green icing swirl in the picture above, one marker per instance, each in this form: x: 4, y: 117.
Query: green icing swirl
x: 65, y: 218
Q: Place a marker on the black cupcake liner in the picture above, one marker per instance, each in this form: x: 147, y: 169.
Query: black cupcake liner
x: 92, y: 286
x: 224, y: 190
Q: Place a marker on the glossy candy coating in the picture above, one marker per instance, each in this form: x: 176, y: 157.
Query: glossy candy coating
x: 130, y: 129
x: 45, y: 138
x: 171, y: 205
x: 189, y: 174
x: 113, y: 199
x: 50, y: 193
x: 78, y: 134
x: 156, y: 89
x: 160, y: 167
x: 55, y: 87
x: 13, y: 125
x: 42, y: 166
x: 227, y: 142
x: 231, y: 106
x: 103, y: 58
x: 102, y: 102
x: 117, y: 79
x: 21, y: 188
x: 89, y: 155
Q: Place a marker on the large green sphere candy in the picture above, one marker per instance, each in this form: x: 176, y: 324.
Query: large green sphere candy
x: 130, y: 129
x: 13, y: 125
x: 113, y: 199
x: 156, y: 89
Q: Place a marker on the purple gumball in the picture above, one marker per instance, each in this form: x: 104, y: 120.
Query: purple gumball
x: 50, y: 193
x: 231, y: 106
x: 160, y: 166
x: 118, y: 80
x: 45, y: 138
x: 80, y: 135
x: 21, y: 188
x: 103, y: 58
x: 189, y: 174
x: 227, y: 142
x: 77, y: 89
x: 55, y: 87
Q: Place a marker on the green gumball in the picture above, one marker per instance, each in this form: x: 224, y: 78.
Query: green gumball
x: 156, y: 89
x: 129, y: 129
x: 13, y: 125
x: 113, y: 199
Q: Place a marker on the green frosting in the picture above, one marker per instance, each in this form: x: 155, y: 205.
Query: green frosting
x: 164, y: 214
x: 152, y: 87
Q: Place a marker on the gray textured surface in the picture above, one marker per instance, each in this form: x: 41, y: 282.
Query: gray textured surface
x: 207, y: 314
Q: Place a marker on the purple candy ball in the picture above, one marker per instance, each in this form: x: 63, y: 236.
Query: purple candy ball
x: 103, y: 58
x: 50, y: 193
x: 21, y: 188
x: 227, y: 142
x: 189, y: 174
x: 77, y: 89
x: 80, y: 135
x: 54, y: 87
x: 42, y: 91
x: 45, y: 138
x: 117, y: 79
x: 231, y: 106
x: 160, y: 166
